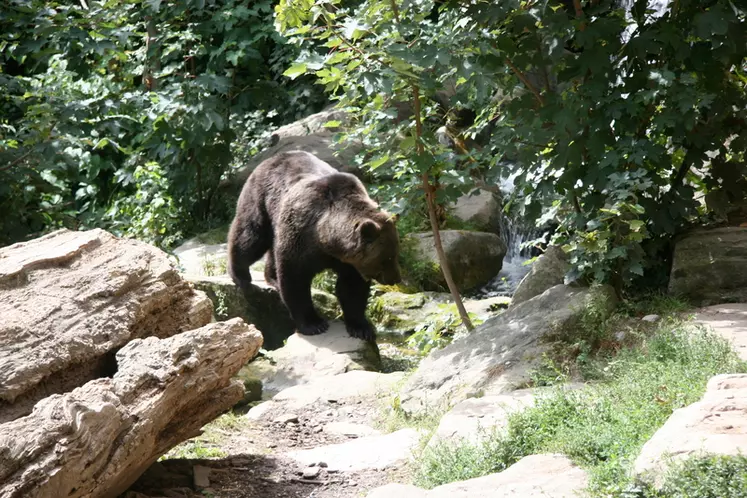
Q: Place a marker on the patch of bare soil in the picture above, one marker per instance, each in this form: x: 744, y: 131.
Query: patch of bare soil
x: 255, y: 462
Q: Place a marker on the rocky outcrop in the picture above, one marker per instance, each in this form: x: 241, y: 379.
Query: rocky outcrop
x: 310, y: 135
x: 481, y: 209
x: 307, y: 357
x: 547, y: 271
x: 96, y: 440
x: 546, y: 476
x: 498, y: 356
x: 710, y: 266
x: 474, y: 258
x: 70, y: 300
x: 717, y: 424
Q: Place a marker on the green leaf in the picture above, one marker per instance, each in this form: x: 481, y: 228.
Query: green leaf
x: 295, y: 70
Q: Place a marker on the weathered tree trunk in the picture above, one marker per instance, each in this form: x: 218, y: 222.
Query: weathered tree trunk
x: 101, y: 371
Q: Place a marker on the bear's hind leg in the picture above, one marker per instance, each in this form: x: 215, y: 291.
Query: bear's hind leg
x: 248, y: 241
x: 294, y: 285
x: 352, y: 291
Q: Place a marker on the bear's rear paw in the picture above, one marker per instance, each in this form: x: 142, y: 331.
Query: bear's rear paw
x: 313, y: 328
x: 361, y: 330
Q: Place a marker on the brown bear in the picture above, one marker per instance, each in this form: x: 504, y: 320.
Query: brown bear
x: 309, y: 217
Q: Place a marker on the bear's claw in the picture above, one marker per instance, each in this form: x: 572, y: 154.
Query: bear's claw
x: 363, y: 331
x: 314, y: 328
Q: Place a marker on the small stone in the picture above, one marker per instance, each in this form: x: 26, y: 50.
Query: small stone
x: 352, y: 483
x: 201, y: 476
x: 311, y: 472
x: 272, y: 445
x: 287, y: 418
x: 323, y: 465
x: 651, y: 318
x: 620, y: 336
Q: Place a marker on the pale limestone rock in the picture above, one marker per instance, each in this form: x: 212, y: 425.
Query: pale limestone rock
x: 305, y: 358
x: 497, y: 357
x: 367, y: 453
x: 728, y: 321
x: 546, y: 476
x: 98, y: 439
x: 717, y: 424
x: 69, y: 300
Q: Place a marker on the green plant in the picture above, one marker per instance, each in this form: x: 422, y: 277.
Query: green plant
x: 707, y: 476
x: 325, y: 281
x: 438, y: 331
x: 128, y: 115
x: 603, y: 426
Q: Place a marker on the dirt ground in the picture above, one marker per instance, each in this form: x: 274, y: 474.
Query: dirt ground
x: 253, y: 461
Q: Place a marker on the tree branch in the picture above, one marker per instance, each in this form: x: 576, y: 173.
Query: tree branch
x: 526, y: 81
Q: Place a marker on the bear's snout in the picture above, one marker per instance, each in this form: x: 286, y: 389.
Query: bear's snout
x: 390, y: 278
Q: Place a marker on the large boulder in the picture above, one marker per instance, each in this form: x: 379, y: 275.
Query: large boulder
x: 710, y: 266
x: 481, y: 209
x: 546, y: 476
x: 714, y: 425
x: 547, y: 271
x: 310, y: 135
x: 70, y: 300
x: 499, y: 355
x: 474, y: 258
x: 98, y: 439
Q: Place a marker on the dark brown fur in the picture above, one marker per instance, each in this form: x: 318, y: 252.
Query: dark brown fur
x: 309, y: 217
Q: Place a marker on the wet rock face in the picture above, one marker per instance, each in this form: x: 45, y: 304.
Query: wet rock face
x: 710, y: 266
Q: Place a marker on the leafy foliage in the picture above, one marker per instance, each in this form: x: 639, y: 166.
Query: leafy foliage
x: 618, y: 117
x: 128, y: 114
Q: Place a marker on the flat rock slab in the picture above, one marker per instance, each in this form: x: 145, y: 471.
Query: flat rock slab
x: 474, y: 418
x: 305, y: 358
x: 350, y: 429
x: 729, y: 321
x: 69, y: 300
x: 367, y: 453
x: 355, y: 385
x: 546, y: 476
x: 98, y: 439
x: 498, y: 356
x: 717, y: 424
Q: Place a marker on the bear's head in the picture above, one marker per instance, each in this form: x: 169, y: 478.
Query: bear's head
x: 377, y: 254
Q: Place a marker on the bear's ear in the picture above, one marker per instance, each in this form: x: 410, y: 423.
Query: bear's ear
x: 368, y: 230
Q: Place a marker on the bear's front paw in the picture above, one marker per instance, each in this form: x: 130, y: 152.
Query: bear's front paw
x: 313, y: 328
x: 361, y: 330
